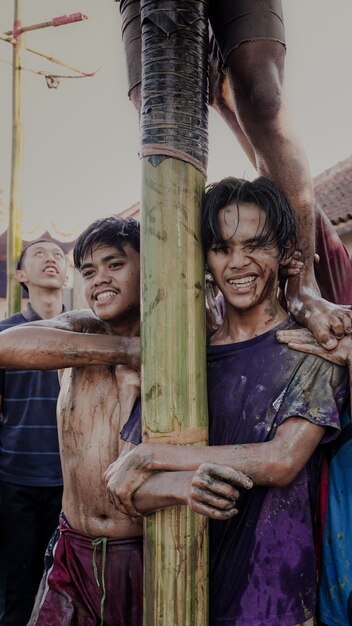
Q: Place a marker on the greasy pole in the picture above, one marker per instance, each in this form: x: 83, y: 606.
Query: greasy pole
x: 174, y: 158
x: 14, y: 232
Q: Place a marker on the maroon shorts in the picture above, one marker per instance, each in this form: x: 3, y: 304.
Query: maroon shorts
x: 334, y: 270
x: 93, y: 581
x: 232, y: 21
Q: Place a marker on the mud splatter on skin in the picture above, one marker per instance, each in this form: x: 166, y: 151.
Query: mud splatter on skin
x: 270, y: 295
x: 95, y: 403
x: 240, y: 252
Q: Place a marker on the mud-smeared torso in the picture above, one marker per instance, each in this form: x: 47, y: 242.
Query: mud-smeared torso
x: 94, y: 403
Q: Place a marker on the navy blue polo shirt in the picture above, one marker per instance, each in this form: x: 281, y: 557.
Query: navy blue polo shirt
x: 29, y: 448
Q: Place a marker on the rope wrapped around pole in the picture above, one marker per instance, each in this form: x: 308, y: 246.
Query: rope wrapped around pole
x: 174, y: 110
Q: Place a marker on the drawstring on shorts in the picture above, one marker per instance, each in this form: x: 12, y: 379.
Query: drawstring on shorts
x: 100, y: 542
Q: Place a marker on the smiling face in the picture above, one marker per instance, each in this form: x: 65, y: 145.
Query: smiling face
x: 44, y: 266
x: 111, y: 285
x: 247, y: 276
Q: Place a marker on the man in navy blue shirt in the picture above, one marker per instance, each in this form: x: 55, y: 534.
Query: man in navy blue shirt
x: 30, y: 469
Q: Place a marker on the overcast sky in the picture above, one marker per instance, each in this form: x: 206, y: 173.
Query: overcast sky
x: 81, y: 140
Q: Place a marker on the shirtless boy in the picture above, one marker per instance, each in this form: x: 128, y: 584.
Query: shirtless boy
x: 97, y: 570
x: 94, y: 403
x: 269, y: 409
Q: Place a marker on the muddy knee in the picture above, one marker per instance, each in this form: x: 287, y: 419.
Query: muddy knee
x: 256, y: 71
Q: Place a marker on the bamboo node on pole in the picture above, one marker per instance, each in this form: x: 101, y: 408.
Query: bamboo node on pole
x: 176, y: 436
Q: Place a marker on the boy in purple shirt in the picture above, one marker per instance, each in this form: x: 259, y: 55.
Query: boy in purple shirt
x: 269, y: 409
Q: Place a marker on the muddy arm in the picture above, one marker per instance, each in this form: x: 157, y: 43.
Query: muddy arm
x: 213, y: 494
x: 52, y: 344
x: 272, y: 463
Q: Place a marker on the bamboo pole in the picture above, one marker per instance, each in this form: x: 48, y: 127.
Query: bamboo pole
x: 174, y: 116
x: 174, y: 392
x: 14, y: 232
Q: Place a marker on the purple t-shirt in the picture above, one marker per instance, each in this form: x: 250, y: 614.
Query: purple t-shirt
x: 262, y: 561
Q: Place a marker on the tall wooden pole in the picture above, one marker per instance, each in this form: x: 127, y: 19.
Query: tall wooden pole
x: 14, y: 233
x: 174, y: 151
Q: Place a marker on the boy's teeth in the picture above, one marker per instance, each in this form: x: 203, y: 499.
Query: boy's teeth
x: 242, y: 282
x: 105, y: 295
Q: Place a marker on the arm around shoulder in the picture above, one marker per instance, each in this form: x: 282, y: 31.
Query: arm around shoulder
x: 71, y: 339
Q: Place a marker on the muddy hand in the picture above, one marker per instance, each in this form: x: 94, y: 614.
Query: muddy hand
x: 214, y: 490
x: 303, y: 340
x: 213, y: 315
x: 124, y: 477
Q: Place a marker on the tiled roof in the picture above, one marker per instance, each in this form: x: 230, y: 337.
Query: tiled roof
x: 65, y: 245
x: 333, y: 191
x: 132, y: 211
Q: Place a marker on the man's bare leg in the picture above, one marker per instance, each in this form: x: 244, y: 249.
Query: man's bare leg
x: 222, y: 100
x: 255, y: 70
x: 251, y: 99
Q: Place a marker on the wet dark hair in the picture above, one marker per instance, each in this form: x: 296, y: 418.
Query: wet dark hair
x: 106, y: 231
x: 280, y: 227
x: 22, y: 256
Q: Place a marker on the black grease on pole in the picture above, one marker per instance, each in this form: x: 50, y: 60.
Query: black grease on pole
x: 174, y: 109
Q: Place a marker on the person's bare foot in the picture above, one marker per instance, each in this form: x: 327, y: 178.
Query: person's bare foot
x: 328, y: 322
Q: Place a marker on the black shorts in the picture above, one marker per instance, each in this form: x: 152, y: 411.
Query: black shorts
x: 131, y: 37
x: 235, y: 21
x: 232, y: 21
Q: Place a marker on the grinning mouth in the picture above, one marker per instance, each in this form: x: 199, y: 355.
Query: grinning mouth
x: 246, y: 281
x: 105, y: 295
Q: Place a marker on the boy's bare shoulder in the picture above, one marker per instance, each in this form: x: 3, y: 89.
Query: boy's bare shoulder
x: 82, y: 321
